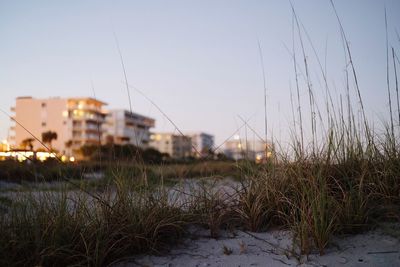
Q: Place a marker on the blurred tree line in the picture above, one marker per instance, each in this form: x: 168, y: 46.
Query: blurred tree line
x: 111, y: 152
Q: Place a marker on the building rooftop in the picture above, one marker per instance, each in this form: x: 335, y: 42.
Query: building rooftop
x: 87, y: 99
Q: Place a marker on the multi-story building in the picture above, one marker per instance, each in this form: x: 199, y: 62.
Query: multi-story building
x: 247, y: 149
x: 177, y: 146
x: 76, y: 121
x: 124, y: 127
x: 202, y: 144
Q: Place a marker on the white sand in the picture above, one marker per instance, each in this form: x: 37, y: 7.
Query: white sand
x: 274, y: 249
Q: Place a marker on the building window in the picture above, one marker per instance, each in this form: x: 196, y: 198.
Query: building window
x: 43, y: 124
x: 43, y: 105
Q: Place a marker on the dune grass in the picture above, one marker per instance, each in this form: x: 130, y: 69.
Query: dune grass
x: 59, y: 229
x: 315, y: 197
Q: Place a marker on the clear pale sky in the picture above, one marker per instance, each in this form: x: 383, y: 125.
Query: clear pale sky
x: 198, y: 60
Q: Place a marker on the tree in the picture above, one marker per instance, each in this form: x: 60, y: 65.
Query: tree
x: 68, y: 146
x: 109, y: 140
x: 151, y: 155
x: 27, y: 143
x: 48, y: 137
x: 222, y: 156
x: 207, y: 152
x: 88, y: 150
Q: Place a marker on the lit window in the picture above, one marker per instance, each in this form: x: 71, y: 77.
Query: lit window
x: 81, y: 104
x: 78, y: 113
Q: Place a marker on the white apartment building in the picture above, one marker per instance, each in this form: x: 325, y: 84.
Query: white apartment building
x: 202, y: 143
x: 177, y: 146
x: 77, y: 121
x: 239, y: 148
x: 124, y: 127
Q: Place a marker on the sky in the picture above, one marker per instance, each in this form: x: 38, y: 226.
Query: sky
x: 198, y: 61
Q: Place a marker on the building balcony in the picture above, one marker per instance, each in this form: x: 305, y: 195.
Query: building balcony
x: 77, y: 138
x: 85, y: 108
x: 92, y: 141
x: 94, y: 121
x: 92, y: 126
x: 94, y: 131
x: 89, y: 119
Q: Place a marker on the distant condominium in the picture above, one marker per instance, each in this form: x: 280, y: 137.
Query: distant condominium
x: 124, y: 127
x: 177, y: 146
x: 76, y: 121
x: 239, y: 148
x: 202, y: 144
x: 70, y: 123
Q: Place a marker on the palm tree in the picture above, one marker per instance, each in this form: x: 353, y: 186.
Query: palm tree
x: 48, y: 137
x: 27, y: 143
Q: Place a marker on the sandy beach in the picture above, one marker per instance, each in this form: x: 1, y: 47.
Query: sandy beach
x: 274, y: 248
